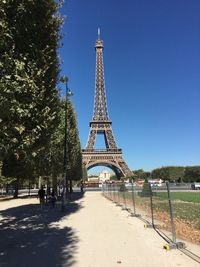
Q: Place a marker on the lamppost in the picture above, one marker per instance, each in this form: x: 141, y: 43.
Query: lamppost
x: 68, y: 93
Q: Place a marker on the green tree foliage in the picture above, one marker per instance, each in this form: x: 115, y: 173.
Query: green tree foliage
x: 192, y: 174
x: 29, y: 72
x: 84, y: 173
x: 114, y: 177
x: 170, y: 173
x: 74, y: 159
x: 51, y: 160
x: 123, y: 188
x: 140, y: 174
x: 146, y: 189
x: 29, y: 67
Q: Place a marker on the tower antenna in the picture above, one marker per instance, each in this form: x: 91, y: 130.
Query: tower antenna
x: 99, y: 32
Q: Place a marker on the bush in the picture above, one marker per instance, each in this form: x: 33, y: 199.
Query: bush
x: 122, y: 188
x: 146, y: 190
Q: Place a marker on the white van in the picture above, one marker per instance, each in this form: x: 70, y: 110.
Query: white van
x: 195, y: 186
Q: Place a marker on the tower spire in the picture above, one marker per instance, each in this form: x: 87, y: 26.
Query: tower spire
x: 99, y: 33
x: 100, y: 106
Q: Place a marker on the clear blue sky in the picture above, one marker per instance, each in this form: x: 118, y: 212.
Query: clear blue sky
x: 152, y: 75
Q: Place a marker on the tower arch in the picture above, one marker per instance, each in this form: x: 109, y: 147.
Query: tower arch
x: 109, y: 165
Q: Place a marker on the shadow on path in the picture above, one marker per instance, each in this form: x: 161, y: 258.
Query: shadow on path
x: 30, y: 236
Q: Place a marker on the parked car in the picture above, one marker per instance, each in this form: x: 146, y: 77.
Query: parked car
x: 195, y: 186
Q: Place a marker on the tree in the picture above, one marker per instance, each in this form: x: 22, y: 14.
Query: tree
x: 29, y: 68
x: 170, y: 173
x: 74, y: 159
x: 18, y: 169
x: 114, y: 177
x: 52, y: 159
x: 146, y: 189
x: 140, y: 174
x: 192, y: 174
x: 84, y: 173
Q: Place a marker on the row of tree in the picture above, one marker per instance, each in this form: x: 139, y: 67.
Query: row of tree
x: 32, y: 114
x: 171, y: 173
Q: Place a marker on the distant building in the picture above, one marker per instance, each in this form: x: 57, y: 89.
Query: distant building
x: 139, y: 182
x: 93, y: 179
x: 156, y: 182
x: 104, y: 176
x: 153, y: 182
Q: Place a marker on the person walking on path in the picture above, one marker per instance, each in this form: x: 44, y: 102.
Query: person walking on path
x: 81, y: 187
x: 53, y: 198
x: 41, y: 195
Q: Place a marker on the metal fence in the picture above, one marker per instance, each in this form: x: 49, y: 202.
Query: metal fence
x: 174, y: 214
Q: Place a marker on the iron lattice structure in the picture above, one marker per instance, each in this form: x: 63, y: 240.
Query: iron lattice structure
x: 101, y: 124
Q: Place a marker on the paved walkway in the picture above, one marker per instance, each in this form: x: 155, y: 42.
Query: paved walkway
x: 93, y: 232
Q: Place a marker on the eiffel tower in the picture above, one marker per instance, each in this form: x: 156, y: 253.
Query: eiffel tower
x: 101, y: 124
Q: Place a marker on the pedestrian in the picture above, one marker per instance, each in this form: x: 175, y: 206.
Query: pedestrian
x: 41, y: 195
x: 53, y: 198
x: 81, y: 186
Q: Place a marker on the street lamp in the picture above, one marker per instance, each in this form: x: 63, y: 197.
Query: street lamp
x: 68, y: 93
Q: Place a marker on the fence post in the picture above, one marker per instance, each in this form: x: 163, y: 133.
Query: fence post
x: 133, y: 198
x: 133, y: 201
x: 107, y: 190
x: 151, y: 204
x: 118, y: 188
x: 124, y: 197
x: 171, y: 214
x: 174, y: 244
x: 113, y: 193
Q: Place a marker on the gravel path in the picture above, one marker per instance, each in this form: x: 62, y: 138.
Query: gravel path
x: 93, y: 232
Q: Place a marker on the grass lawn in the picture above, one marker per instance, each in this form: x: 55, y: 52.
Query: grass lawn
x: 186, y: 209
x: 183, y: 196
x: 186, y: 205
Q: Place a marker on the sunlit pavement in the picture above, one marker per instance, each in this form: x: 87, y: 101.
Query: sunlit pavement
x: 91, y: 232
